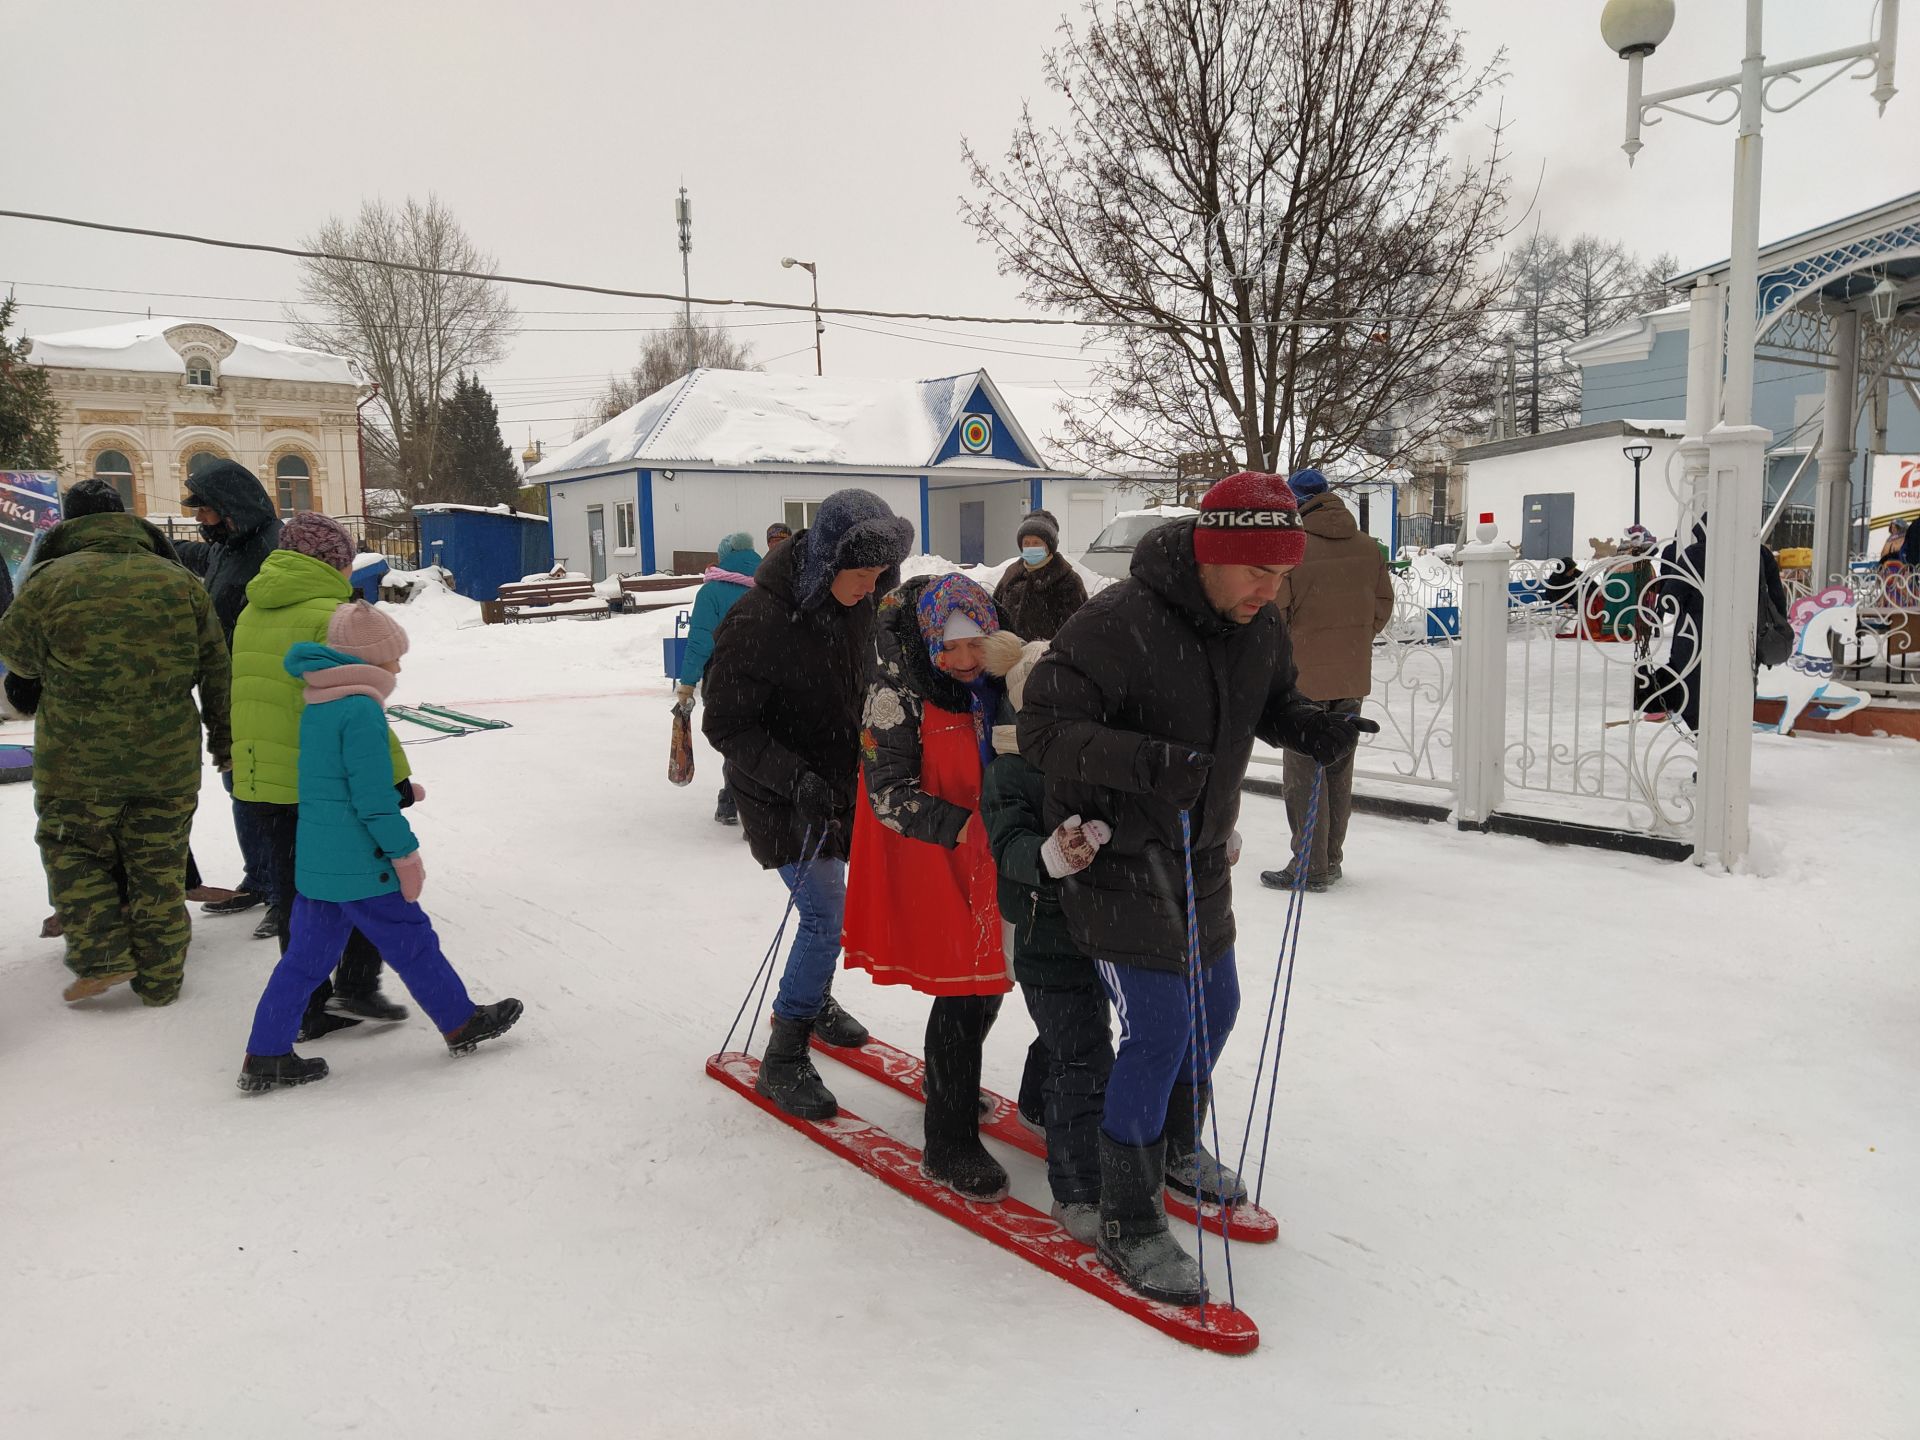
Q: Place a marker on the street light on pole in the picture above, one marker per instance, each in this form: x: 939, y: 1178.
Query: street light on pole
x: 683, y: 217
x: 1636, y: 452
x: 1728, y: 463
x: 787, y: 262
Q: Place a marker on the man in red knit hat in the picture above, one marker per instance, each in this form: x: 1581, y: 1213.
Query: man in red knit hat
x: 1146, y: 710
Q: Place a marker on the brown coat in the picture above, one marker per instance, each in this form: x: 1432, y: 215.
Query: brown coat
x: 1335, y: 602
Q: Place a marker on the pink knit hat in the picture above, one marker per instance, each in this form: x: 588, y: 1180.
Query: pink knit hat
x: 314, y: 534
x: 364, y: 633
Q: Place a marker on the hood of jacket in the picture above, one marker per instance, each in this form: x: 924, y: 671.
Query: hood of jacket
x: 332, y: 674
x: 1164, y: 563
x: 288, y: 577
x: 113, y: 531
x: 1328, y: 517
x: 234, y: 492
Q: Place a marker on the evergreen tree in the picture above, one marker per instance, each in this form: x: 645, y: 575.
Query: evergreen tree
x: 475, y: 466
x: 29, y: 415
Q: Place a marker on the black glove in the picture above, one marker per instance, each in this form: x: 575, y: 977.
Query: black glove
x: 1178, y: 773
x: 1329, y: 737
x: 817, y: 804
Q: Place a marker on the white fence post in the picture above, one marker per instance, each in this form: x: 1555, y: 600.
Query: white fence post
x: 1480, y: 683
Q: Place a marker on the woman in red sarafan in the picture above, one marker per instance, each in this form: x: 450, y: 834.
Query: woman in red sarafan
x: 921, y: 908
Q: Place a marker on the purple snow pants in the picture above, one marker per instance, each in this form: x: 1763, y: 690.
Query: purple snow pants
x: 398, y: 928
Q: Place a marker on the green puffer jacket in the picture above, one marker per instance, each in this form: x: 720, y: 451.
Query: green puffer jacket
x: 1013, y: 803
x: 288, y: 602
x: 119, y: 635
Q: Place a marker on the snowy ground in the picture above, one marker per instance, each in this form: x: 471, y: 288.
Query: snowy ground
x: 1569, y: 1144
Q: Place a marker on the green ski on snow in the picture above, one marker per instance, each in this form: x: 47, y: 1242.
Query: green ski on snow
x: 473, y: 721
x: 431, y: 722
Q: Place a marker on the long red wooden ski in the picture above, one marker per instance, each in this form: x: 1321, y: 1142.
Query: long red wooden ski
x: 1010, y: 1224
x: 895, y: 1068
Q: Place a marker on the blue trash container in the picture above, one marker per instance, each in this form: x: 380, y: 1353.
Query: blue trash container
x: 674, y: 647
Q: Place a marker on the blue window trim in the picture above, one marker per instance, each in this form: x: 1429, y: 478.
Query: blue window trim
x: 1034, y: 497
x: 926, y: 518
x: 643, y: 492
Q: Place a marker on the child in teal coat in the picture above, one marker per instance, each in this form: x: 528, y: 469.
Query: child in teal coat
x: 357, y: 862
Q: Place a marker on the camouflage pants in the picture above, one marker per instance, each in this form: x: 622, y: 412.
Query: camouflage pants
x: 83, y: 843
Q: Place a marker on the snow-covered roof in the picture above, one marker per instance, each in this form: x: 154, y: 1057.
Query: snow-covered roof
x: 441, y: 509
x: 145, y: 345
x: 735, y: 418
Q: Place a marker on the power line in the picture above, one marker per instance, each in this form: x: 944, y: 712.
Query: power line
x: 388, y: 325
x: 705, y: 302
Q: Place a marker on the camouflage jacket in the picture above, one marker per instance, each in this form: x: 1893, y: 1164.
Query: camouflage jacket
x: 119, y: 637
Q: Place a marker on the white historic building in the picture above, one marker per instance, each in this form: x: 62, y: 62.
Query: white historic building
x: 148, y: 404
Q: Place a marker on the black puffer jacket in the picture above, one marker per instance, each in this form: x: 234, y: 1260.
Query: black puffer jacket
x: 904, y: 682
x: 1149, y: 659
x: 232, y: 553
x: 784, y: 690
x: 1034, y: 604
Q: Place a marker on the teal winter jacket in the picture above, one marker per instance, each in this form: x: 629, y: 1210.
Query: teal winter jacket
x: 710, y: 607
x: 351, y: 830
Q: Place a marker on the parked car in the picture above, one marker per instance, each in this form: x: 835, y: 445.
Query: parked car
x: 1111, y: 553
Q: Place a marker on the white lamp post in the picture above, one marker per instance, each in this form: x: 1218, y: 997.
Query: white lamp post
x: 1634, y: 29
x: 787, y: 263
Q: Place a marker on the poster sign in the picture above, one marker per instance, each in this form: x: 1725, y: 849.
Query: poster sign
x: 29, y: 503
x: 1896, y: 490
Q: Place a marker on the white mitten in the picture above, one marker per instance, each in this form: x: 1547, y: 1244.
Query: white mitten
x: 1072, y: 847
x: 1233, y: 849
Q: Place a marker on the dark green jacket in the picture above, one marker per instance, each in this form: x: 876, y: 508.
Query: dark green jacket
x: 119, y: 637
x: 1012, y: 803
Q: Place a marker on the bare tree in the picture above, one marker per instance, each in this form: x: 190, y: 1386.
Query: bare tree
x: 412, y: 332
x: 663, y: 360
x: 1254, y: 199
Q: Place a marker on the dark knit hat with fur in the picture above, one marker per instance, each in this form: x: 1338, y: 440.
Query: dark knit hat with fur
x: 853, y: 531
x: 1041, y: 525
x: 91, y: 497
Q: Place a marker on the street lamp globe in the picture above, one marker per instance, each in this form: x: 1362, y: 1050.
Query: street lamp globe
x: 1886, y: 300
x: 1637, y: 451
x: 1636, y: 27
x: 787, y: 262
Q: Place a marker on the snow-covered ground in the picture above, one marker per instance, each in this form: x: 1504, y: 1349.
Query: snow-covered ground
x: 1568, y: 1144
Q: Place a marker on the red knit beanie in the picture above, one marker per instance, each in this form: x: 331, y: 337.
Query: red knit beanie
x: 1249, y: 519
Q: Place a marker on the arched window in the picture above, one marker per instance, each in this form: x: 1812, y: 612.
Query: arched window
x: 295, y: 481
x: 200, y: 371
x: 114, y: 467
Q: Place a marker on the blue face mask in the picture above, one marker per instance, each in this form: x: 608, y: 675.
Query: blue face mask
x: 1034, y: 555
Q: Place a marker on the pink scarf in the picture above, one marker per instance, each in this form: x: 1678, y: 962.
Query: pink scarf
x: 344, y: 680
x: 731, y: 577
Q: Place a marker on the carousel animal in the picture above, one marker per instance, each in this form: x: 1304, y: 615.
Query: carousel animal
x: 1806, y: 678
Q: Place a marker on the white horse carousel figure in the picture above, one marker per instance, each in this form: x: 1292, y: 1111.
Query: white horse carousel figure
x: 1806, y: 678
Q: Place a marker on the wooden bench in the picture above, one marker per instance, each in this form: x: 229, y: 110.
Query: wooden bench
x: 545, y: 600
x: 634, y: 590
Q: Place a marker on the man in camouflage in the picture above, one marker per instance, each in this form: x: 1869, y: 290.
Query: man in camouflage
x: 119, y: 636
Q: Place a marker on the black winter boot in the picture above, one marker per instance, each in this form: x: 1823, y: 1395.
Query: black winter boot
x: 1134, y: 1242
x: 725, y: 810
x: 272, y: 926
x: 787, y: 1076
x: 237, y: 903
x: 370, y: 1006
x: 835, y: 1026
x: 1191, y: 1170
x: 486, y: 1022
x: 261, y: 1073
x: 954, y: 1156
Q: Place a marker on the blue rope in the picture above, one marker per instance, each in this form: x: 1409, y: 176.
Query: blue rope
x: 1200, y: 1069
x: 1289, y: 949
x: 763, y: 977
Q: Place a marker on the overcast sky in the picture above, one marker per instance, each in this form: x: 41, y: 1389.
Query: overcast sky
x: 558, y: 133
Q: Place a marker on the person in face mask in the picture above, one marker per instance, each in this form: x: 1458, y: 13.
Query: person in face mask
x: 1040, y: 590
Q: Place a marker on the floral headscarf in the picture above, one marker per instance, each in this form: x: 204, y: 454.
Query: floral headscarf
x: 947, y: 596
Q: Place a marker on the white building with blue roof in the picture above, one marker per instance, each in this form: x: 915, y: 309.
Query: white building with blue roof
x: 718, y: 451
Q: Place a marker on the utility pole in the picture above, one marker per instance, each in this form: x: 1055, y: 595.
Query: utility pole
x: 683, y: 214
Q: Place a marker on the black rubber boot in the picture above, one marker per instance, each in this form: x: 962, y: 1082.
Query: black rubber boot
x: 487, y: 1022
x: 1134, y: 1242
x: 261, y: 1073
x: 954, y: 1155
x: 835, y: 1026
x: 787, y: 1076
x: 1191, y: 1170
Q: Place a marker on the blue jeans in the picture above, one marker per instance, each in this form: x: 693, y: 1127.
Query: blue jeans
x: 404, y: 935
x: 256, y: 850
x: 1153, y: 1054
x: 821, y: 902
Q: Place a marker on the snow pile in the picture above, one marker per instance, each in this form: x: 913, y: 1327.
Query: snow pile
x: 438, y: 508
x: 367, y: 559
x: 988, y: 576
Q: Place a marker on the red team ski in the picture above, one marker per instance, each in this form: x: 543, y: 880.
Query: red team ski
x: 1010, y: 1224
x: 906, y: 1073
